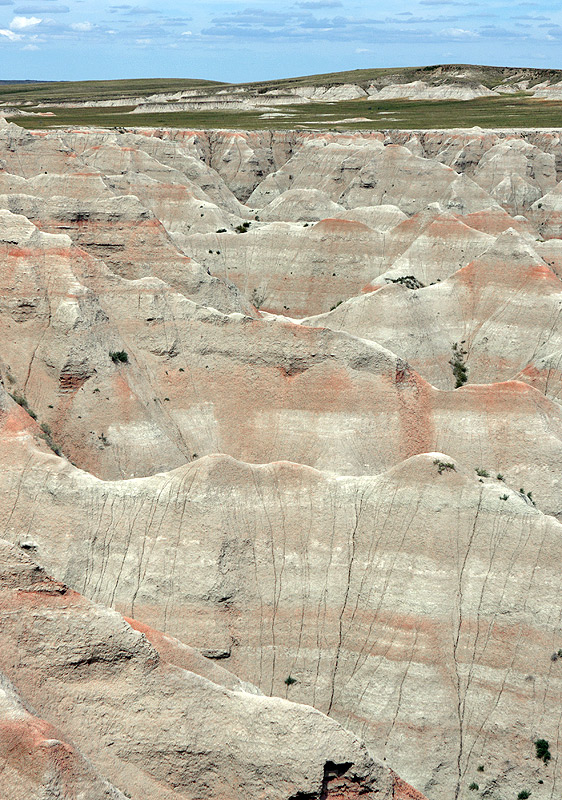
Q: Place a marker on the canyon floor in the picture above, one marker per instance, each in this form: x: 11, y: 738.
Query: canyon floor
x: 281, y: 447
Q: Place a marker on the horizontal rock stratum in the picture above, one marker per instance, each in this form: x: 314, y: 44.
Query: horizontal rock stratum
x: 281, y: 448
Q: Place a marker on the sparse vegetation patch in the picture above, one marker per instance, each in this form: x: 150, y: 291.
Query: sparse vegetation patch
x: 542, y: 750
x: 119, y: 356
x: 460, y: 370
x: 444, y: 465
x: 410, y: 281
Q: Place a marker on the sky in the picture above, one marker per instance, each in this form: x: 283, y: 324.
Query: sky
x: 244, y: 41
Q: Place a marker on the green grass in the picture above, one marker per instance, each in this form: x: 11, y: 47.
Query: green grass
x: 518, y: 110
x: 96, y: 90
x: 470, y: 74
x: 491, y: 112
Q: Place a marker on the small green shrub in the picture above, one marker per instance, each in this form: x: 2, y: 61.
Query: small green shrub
x: 480, y: 768
x: 221, y: 230
x: 527, y: 496
x: 444, y: 465
x: 289, y: 680
x: 523, y: 794
x: 473, y: 786
x: 482, y: 472
x: 336, y: 305
x: 542, y: 750
x: 21, y: 401
x: 460, y: 370
x: 119, y: 356
x: 257, y: 297
x: 46, y: 428
x: 409, y: 281
x: 50, y: 443
x: 499, y: 476
x: 504, y: 496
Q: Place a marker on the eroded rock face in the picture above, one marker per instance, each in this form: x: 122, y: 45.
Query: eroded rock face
x: 235, y: 443
x: 150, y: 726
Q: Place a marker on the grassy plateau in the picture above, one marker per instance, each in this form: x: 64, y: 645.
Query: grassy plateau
x: 506, y: 111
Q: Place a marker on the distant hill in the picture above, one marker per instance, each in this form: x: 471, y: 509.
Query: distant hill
x: 435, y: 75
x: 9, y: 83
x: 440, y: 95
x: 469, y: 74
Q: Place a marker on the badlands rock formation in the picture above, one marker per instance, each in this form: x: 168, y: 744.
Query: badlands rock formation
x: 153, y: 725
x: 281, y: 448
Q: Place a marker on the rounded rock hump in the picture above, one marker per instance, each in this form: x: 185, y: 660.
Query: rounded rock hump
x: 300, y: 205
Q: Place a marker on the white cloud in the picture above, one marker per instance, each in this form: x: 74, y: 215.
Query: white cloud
x: 458, y: 33
x: 187, y: 33
x: 82, y: 26
x: 30, y: 47
x: 13, y: 37
x: 21, y: 23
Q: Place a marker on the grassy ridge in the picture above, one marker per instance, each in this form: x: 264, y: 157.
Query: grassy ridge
x: 516, y: 110
x: 469, y: 74
x: 67, y: 91
x: 491, y: 112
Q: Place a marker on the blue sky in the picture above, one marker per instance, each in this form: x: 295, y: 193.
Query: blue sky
x: 243, y: 41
